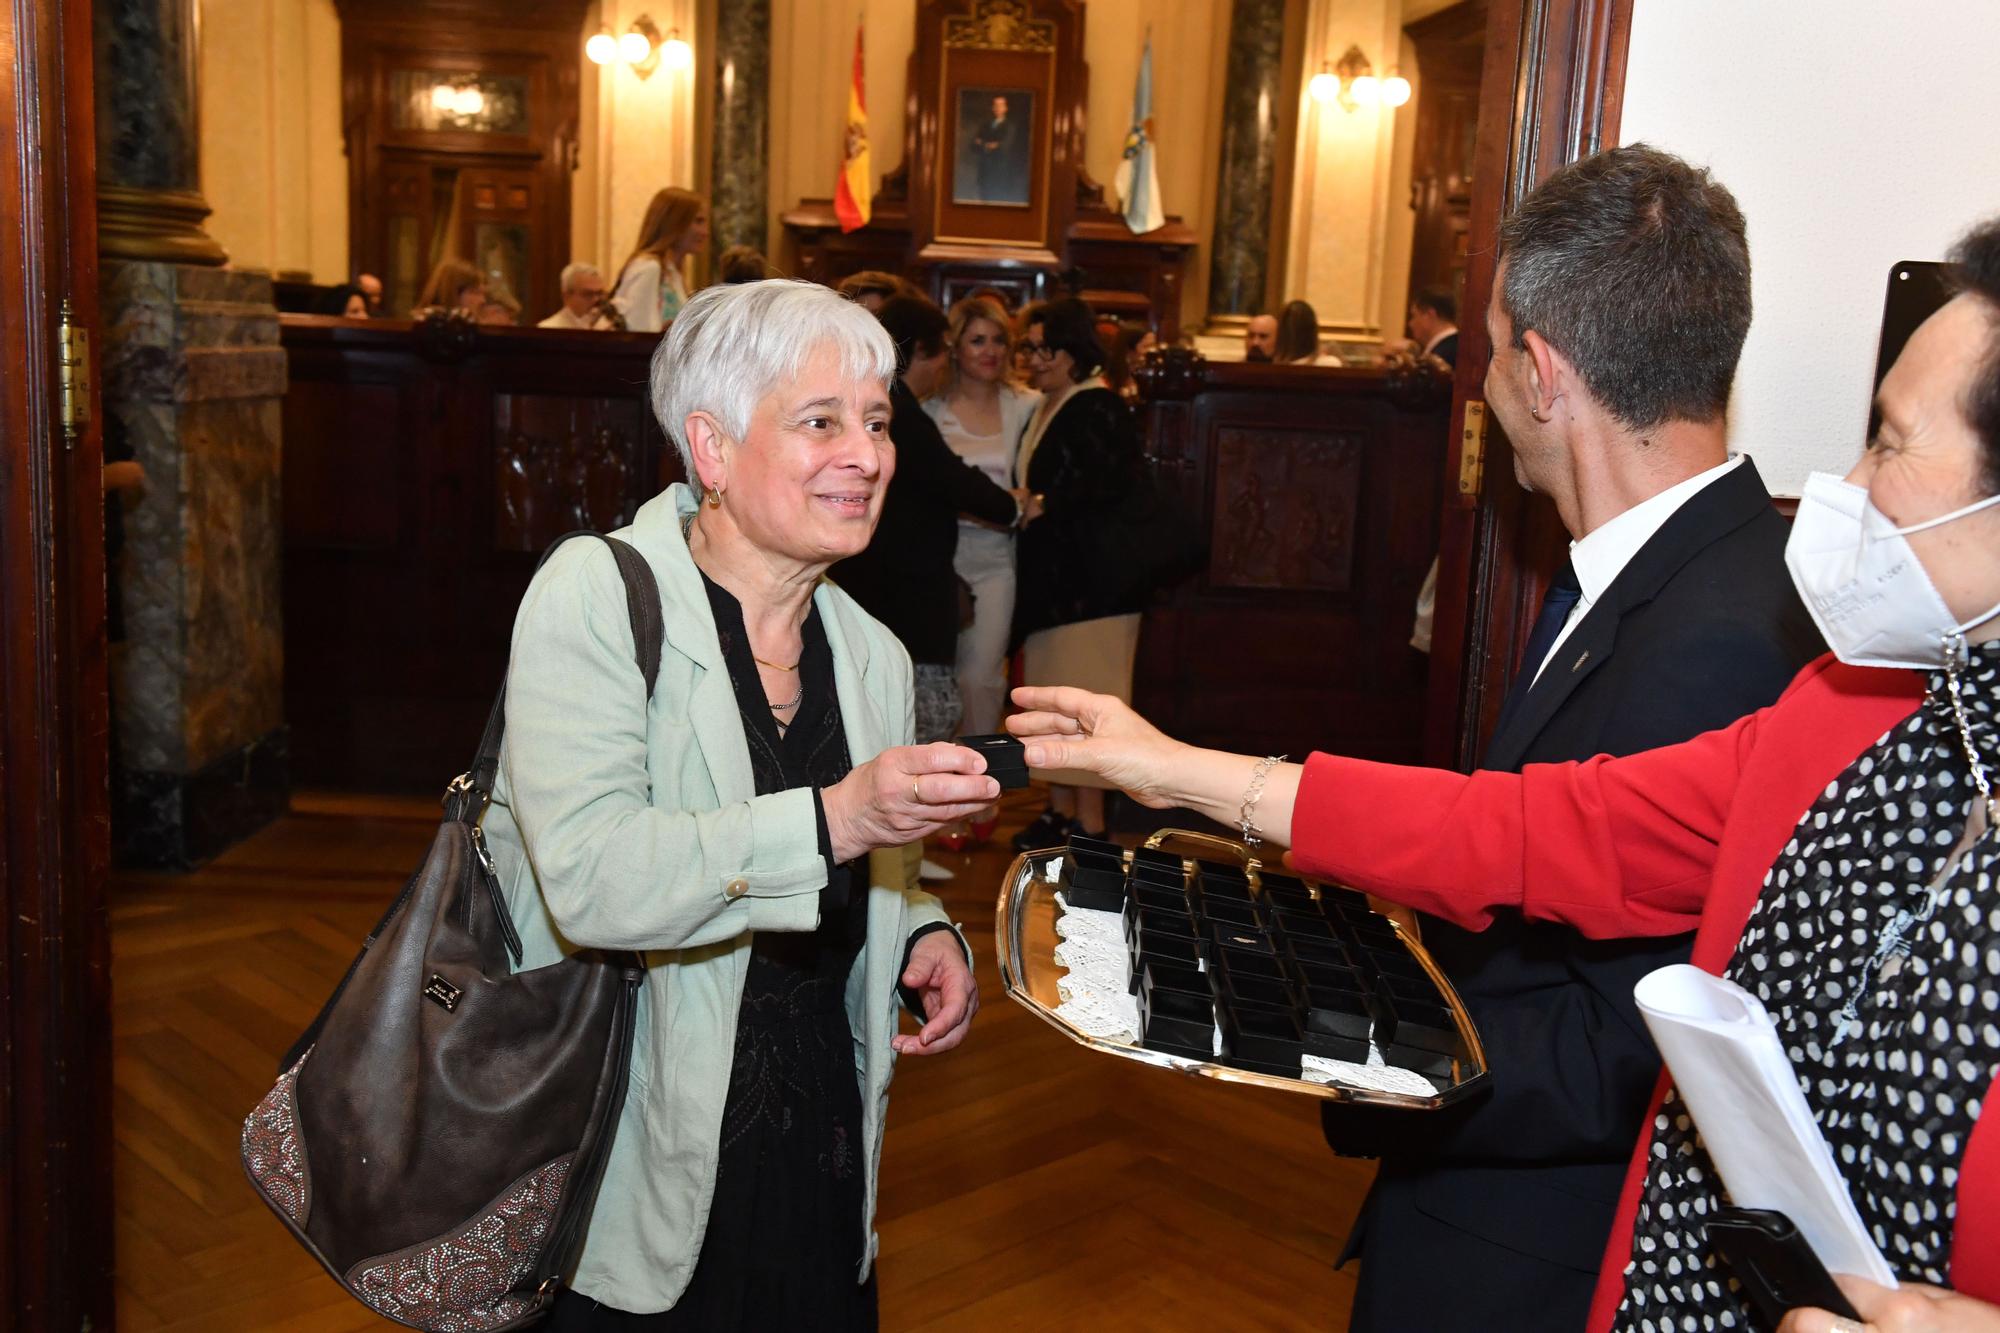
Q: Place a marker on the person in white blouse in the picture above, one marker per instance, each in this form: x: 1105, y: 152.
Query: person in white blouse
x: 651, y: 288
x: 981, y: 416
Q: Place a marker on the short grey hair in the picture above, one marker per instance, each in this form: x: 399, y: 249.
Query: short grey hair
x: 1636, y: 266
x: 731, y: 345
x: 575, y: 273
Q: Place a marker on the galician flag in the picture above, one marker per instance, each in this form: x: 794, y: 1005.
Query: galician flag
x: 1138, y: 181
x: 851, y: 197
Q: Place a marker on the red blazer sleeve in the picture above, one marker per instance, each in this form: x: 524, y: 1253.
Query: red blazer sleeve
x: 1612, y: 847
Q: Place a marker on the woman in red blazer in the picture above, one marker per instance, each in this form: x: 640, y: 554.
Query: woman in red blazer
x: 1835, y: 853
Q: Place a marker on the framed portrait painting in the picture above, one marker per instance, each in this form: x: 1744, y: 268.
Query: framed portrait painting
x: 997, y: 94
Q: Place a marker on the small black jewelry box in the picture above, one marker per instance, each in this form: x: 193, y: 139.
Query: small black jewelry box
x: 1225, y: 935
x: 1006, y: 760
x: 1177, y: 1011
x: 1231, y: 911
x: 1079, y: 843
x: 1157, y: 897
x: 1170, y: 949
x: 1155, y: 859
x: 1094, y: 881
x: 1265, y: 1040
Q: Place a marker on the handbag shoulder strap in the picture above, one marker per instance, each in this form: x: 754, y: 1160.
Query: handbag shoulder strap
x: 466, y: 798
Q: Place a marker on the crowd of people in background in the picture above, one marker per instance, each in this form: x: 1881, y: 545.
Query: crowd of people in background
x: 1017, y: 450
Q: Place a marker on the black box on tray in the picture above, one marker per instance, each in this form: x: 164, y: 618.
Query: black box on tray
x: 1236, y: 913
x: 1176, y: 1011
x: 1006, y: 762
x: 1170, y: 949
x: 1325, y: 952
x: 1153, y: 877
x: 1227, y: 935
x: 1303, y: 925
x: 1426, y: 1041
x: 1243, y: 990
x: 1268, y: 1041
x: 1094, y: 881
x: 1260, y: 964
x: 1159, y: 862
x: 1338, y: 1023
x: 1097, y: 846
x: 1157, y: 897
x: 1220, y: 884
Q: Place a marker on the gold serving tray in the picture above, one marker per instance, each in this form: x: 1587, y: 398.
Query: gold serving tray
x: 1025, y: 938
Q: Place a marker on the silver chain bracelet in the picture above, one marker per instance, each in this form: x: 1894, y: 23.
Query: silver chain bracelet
x: 1247, y: 821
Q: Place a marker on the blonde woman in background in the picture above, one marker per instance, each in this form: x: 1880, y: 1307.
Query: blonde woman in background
x: 981, y: 416
x: 454, y: 285
x: 651, y: 288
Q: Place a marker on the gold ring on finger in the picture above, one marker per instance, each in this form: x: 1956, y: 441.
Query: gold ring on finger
x: 916, y: 797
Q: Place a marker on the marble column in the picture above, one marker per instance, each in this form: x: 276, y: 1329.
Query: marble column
x: 738, y: 168
x: 149, y: 202
x: 194, y: 380
x: 1240, y: 257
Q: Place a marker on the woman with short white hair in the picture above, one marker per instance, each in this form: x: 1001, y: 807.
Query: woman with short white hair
x: 749, y: 828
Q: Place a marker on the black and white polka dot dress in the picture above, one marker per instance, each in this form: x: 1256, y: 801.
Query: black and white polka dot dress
x: 1882, y: 973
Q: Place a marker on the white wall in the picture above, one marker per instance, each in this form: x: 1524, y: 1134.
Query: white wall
x: 1854, y: 134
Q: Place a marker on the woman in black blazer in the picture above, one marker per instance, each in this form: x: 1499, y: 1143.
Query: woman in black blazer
x: 905, y: 578
x: 1083, y: 575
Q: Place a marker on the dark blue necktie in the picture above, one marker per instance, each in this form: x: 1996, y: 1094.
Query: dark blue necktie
x: 1563, y: 595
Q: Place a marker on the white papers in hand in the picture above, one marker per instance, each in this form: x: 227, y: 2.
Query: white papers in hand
x: 1731, y: 1071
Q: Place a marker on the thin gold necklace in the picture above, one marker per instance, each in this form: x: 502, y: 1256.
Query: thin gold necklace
x: 687, y: 531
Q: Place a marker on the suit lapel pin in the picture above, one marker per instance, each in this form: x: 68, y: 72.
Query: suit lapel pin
x: 1577, y: 665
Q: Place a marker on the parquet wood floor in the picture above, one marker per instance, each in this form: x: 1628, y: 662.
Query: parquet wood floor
x: 1027, y: 1183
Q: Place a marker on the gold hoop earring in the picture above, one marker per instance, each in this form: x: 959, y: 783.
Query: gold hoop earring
x: 1536, y: 415
x: 715, y: 497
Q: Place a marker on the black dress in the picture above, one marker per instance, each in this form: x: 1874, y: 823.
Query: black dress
x: 784, y: 1238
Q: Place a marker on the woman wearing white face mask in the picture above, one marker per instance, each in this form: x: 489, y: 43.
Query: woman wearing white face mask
x: 1836, y: 853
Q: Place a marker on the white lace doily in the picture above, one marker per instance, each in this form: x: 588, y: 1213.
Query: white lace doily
x: 1096, y: 990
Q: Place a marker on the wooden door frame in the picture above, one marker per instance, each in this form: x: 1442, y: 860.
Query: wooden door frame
x: 55, y: 1104
x: 1551, y: 92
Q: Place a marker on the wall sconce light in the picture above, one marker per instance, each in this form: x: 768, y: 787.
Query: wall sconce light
x: 641, y: 47
x: 1352, y: 83
x: 461, y: 100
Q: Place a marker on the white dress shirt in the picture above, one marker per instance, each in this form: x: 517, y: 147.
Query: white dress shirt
x: 1600, y: 557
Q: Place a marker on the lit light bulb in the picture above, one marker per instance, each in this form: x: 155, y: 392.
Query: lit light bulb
x: 676, y: 52
x: 1366, y: 89
x: 1395, y: 90
x: 633, y: 47
x: 444, y: 97
x: 1325, y: 86
x: 602, y: 48
x: 469, y: 102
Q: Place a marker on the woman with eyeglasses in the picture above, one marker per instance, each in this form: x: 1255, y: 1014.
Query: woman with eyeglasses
x: 1078, y: 595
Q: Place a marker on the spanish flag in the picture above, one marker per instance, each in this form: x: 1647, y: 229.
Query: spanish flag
x: 851, y: 202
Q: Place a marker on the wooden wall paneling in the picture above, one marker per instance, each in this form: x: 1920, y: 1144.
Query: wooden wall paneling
x: 55, y: 1077
x: 1319, y: 490
x: 1550, y: 92
x: 476, y: 447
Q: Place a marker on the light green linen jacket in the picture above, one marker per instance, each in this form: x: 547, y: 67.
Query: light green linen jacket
x: 620, y: 824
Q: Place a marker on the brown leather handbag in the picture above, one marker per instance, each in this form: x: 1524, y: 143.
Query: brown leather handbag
x: 437, y: 1135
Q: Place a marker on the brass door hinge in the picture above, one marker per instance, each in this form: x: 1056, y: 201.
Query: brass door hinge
x: 73, y: 370
x: 1472, y: 452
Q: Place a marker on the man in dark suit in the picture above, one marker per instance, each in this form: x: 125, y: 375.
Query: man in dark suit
x: 999, y: 147
x: 1433, y: 340
x: 1619, y: 312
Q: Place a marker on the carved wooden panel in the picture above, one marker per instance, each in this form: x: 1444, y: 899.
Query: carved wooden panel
x: 1284, y: 510
x: 425, y: 467
x: 564, y: 463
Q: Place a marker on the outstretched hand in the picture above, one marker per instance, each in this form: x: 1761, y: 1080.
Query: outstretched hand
x: 1097, y: 733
